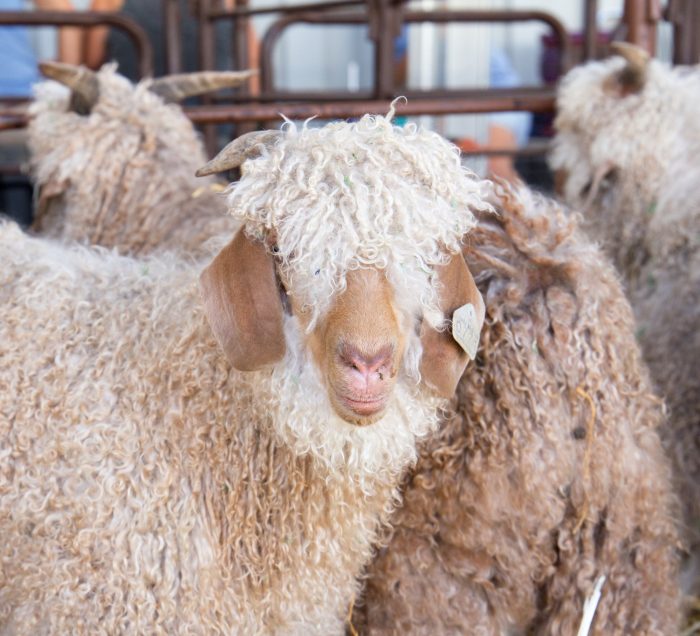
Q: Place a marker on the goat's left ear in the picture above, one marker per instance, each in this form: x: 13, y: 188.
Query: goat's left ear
x: 243, y: 305
x: 444, y: 360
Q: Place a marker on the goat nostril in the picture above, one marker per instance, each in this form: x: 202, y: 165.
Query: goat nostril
x: 377, y: 362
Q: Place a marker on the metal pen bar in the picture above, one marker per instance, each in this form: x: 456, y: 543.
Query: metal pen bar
x: 233, y: 14
x: 590, y: 40
x: 275, y: 30
x: 531, y: 149
x: 222, y: 114
x: 173, y: 41
x: 515, y: 93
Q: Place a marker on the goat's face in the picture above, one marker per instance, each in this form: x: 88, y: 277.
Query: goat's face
x: 358, y: 346
x: 602, y: 109
x: 360, y: 226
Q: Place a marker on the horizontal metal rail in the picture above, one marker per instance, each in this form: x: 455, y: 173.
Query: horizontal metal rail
x: 247, y: 12
x: 543, y: 101
x: 517, y: 94
x: 530, y: 149
x: 11, y: 123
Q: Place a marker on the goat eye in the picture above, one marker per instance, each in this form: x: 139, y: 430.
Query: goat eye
x: 417, y: 324
x: 284, y: 298
x: 609, y: 179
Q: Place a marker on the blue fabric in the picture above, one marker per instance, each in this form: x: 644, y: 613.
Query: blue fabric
x: 401, y: 43
x: 501, y: 71
x: 503, y: 75
x: 18, y: 69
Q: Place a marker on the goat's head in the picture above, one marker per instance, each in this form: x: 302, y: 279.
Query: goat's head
x: 107, y: 143
x: 354, y: 232
x: 605, y: 120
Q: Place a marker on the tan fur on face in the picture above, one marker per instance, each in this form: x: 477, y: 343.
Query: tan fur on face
x: 363, y: 317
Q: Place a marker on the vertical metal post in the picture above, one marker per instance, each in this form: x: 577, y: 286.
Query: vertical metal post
x: 240, y: 41
x: 206, y: 36
x: 590, y: 42
x: 691, y: 33
x: 207, y: 62
x: 641, y: 17
x: 241, y: 30
x: 382, y: 26
x: 685, y: 17
x: 173, y: 38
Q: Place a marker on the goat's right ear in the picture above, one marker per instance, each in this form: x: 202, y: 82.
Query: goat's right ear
x: 243, y: 305
x: 444, y: 360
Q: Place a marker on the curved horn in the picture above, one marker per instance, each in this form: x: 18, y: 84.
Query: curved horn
x: 175, y: 88
x: 633, y: 76
x: 240, y: 149
x: 85, y: 88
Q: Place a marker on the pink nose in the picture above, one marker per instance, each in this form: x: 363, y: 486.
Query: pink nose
x: 369, y: 368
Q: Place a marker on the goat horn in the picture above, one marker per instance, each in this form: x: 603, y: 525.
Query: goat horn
x: 85, y: 88
x: 240, y: 149
x: 634, y: 74
x: 175, y: 88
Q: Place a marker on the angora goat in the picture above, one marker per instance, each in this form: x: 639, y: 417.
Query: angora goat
x: 548, y: 473
x: 147, y: 485
x: 628, y: 149
x: 115, y: 163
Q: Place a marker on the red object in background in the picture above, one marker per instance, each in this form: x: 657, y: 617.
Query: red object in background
x: 467, y: 144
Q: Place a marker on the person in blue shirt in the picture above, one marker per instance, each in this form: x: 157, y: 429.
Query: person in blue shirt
x: 18, y: 70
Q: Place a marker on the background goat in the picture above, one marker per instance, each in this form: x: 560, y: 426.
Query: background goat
x: 627, y: 148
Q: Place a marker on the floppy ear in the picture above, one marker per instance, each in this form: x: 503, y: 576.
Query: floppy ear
x: 444, y: 360
x: 243, y: 305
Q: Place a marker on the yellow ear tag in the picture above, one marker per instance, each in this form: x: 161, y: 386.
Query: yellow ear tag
x: 466, y: 329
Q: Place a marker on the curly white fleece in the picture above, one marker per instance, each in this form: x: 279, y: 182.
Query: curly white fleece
x: 360, y: 194
x: 646, y: 136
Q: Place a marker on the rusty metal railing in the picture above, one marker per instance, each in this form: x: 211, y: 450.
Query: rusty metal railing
x: 684, y: 15
x: 384, y: 19
x: 384, y: 87
x: 474, y: 101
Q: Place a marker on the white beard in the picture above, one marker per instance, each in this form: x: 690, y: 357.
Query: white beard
x: 305, y: 420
